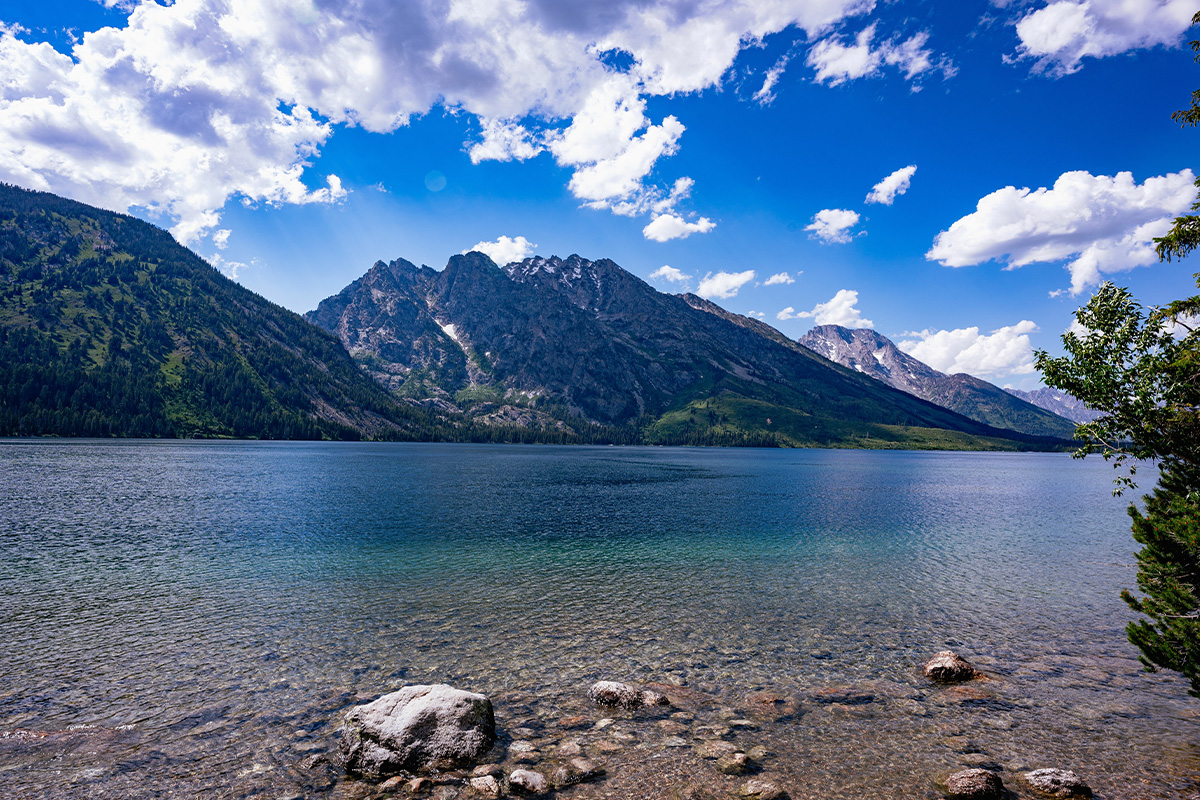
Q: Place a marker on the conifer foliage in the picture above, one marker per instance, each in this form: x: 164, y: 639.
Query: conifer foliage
x: 1142, y: 370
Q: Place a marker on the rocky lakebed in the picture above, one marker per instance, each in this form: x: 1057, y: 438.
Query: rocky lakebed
x: 442, y: 742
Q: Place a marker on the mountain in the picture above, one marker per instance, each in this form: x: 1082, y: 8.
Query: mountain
x: 877, y: 356
x: 1057, y: 402
x: 108, y: 327
x: 562, y: 342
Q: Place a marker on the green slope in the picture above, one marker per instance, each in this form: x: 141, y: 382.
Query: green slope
x: 108, y: 327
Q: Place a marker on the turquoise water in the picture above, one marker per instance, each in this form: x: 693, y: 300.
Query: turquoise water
x: 192, y: 619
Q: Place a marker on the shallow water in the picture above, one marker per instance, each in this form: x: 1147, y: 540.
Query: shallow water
x: 192, y: 619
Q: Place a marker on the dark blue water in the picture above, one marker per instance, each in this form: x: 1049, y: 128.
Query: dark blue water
x: 192, y: 619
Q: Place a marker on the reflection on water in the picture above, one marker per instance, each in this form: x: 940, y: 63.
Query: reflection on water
x: 192, y: 619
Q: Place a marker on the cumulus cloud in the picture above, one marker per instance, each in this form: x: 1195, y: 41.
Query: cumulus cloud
x: 503, y: 141
x: 1061, y: 34
x: 756, y: 314
x: 505, y: 250
x: 832, y: 225
x: 1103, y: 224
x: 1005, y: 351
x: 779, y: 278
x: 196, y: 102
x: 891, y: 187
x: 835, y: 62
x: 723, y: 285
x: 841, y: 309
x: 665, y: 227
x: 670, y: 274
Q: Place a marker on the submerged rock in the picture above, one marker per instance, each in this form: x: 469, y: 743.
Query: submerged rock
x: 762, y: 790
x: 416, y: 729
x: 948, y: 667
x: 577, y: 770
x: 715, y: 748
x: 614, y: 693
x: 528, y: 782
x: 974, y: 784
x: 1058, y: 783
x: 733, y: 763
x: 485, y: 786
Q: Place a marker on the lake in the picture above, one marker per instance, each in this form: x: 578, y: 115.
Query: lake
x: 192, y: 619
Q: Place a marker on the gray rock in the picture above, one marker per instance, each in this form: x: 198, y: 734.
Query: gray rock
x: 762, y: 790
x: 528, y: 782
x: 974, y: 784
x: 614, y: 693
x: 416, y: 729
x: 1058, y: 783
x: 733, y: 763
x: 485, y: 786
x: 948, y: 667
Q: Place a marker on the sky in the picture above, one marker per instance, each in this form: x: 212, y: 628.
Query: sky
x: 957, y: 174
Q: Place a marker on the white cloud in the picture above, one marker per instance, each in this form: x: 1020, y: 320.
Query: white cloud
x: 835, y: 63
x: 894, y: 185
x: 839, y: 310
x: 1104, y: 224
x: 665, y: 227
x: 231, y: 269
x: 766, y: 94
x: 756, y: 314
x: 195, y: 102
x: 723, y: 284
x: 221, y: 238
x: 832, y: 225
x: 503, y: 141
x: 1061, y: 34
x: 779, y: 278
x: 505, y: 250
x: 668, y: 273
x: 1003, y: 352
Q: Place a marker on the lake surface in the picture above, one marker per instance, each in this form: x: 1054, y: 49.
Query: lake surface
x: 188, y: 619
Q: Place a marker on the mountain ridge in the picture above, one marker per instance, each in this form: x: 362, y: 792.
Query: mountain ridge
x: 875, y: 355
x: 562, y: 339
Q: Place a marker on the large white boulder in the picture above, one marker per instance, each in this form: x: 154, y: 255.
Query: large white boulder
x: 417, y: 729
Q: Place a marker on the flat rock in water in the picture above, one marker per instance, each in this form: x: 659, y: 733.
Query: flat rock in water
x: 948, y: 667
x: 416, y: 729
x: 1058, y: 783
x: 614, y: 693
x: 974, y: 784
x: 715, y: 748
x: 762, y: 790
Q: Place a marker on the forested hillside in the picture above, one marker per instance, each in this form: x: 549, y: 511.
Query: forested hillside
x: 108, y: 327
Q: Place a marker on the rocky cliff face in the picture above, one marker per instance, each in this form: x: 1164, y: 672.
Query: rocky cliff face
x: 875, y: 355
x: 550, y: 339
x: 1057, y: 402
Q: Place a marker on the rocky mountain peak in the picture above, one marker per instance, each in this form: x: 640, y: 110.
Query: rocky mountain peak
x: 589, y: 285
x: 874, y: 354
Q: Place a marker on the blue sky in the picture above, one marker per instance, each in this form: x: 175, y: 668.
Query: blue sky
x: 294, y: 143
